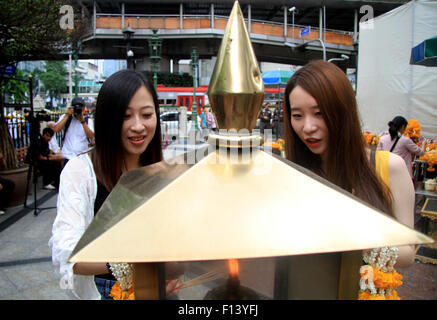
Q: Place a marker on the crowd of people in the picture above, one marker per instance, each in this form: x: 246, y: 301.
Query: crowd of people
x: 319, y: 122
x: 272, y: 120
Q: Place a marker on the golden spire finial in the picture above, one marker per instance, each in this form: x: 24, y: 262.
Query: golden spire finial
x: 236, y: 89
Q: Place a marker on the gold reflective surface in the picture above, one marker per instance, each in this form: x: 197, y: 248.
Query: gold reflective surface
x: 229, y: 205
x: 235, y: 141
x: 236, y: 89
x: 131, y: 192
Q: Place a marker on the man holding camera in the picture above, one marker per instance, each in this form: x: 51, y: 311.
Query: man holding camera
x: 77, y: 132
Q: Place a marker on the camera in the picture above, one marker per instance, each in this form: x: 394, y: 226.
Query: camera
x: 77, y: 109
x: 77, y: 104
x: 37, y: 116
x: 40, y: 116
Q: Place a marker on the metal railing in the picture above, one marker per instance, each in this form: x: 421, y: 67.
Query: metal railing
x: 19, y: 129
x: 257, y: 26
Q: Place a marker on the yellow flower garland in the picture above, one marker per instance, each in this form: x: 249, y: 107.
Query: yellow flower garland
x: 123, y: 287
x: 430, y: 155
x: 378, y: 277
x: 366, y: 295
x: 385, y: 280
x: 118, y: 294
x: 370, y: 138
x: 279, y: 144
x: 413, y: 129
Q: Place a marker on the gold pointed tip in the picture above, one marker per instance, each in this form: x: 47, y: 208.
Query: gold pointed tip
x: 236, y: 90
x: 236, y: 10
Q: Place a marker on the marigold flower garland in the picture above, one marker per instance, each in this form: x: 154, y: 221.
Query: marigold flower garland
x: 413, y: 129
x: 430, y: 155
x: 278, y: 146
x: 370, y: 138
x: 123, y: 288
x: 431, y: 158
x: 378, y: 277
x: 413, y: 132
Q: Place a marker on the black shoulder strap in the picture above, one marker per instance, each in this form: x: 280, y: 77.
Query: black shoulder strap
x: 373, y: 158
x: 67, y: 124
x: 394, y: 145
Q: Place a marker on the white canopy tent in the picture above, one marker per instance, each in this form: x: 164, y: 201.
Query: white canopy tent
x: 387, y: 85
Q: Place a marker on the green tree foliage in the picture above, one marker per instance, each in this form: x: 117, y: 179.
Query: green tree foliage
x: 31, y: 30
x: 54, y: 79
x: 18, y: 91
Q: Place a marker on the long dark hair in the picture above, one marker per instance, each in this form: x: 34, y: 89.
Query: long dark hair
x: 349, y: 167
x: 112, y: 102
x: 394, y: 126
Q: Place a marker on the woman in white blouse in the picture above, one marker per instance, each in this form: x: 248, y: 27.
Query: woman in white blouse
x: 127, y: 136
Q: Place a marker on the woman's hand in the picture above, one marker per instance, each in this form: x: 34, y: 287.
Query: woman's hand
x: 171, y: 286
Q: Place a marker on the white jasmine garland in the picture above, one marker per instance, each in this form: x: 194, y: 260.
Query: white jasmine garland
x: 123, y: 273
x: 369, y: 256
x: 366, y: 281
x: 382, y: 258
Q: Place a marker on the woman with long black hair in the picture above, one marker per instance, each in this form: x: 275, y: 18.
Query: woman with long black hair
x: 127, y: 137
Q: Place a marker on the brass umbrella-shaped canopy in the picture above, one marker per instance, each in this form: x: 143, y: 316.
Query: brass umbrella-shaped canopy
x: 149, y: 216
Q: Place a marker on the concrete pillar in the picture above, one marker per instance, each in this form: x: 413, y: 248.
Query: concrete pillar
x: 324, y: 24
x: 355, y: 26
x: 212, y: 16
x: 94, y: 17
x: 206, y: 69
x: 122, y: 15
x: 181, y: 16
x: 285, y: 21
x: 320, y: 23
x: 175, y: 66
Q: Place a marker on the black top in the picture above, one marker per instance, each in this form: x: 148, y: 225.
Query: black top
x: 42, y: 148
x: 278, y: 115
x: 101, y: 196
x: 265, y: 113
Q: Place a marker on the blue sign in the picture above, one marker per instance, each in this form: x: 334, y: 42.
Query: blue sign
x: 10, y: 70
x: 305, y: 31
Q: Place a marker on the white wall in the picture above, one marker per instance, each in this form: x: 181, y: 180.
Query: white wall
x: 387, y: 85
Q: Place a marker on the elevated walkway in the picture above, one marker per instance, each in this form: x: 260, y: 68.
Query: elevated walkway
x: 177, y: 26
x: 181, y: 33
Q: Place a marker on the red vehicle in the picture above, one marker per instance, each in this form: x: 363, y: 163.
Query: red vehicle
x: 183, y: 96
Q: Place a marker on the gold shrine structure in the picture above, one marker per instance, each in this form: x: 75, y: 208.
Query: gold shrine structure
x: 293, y: 234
